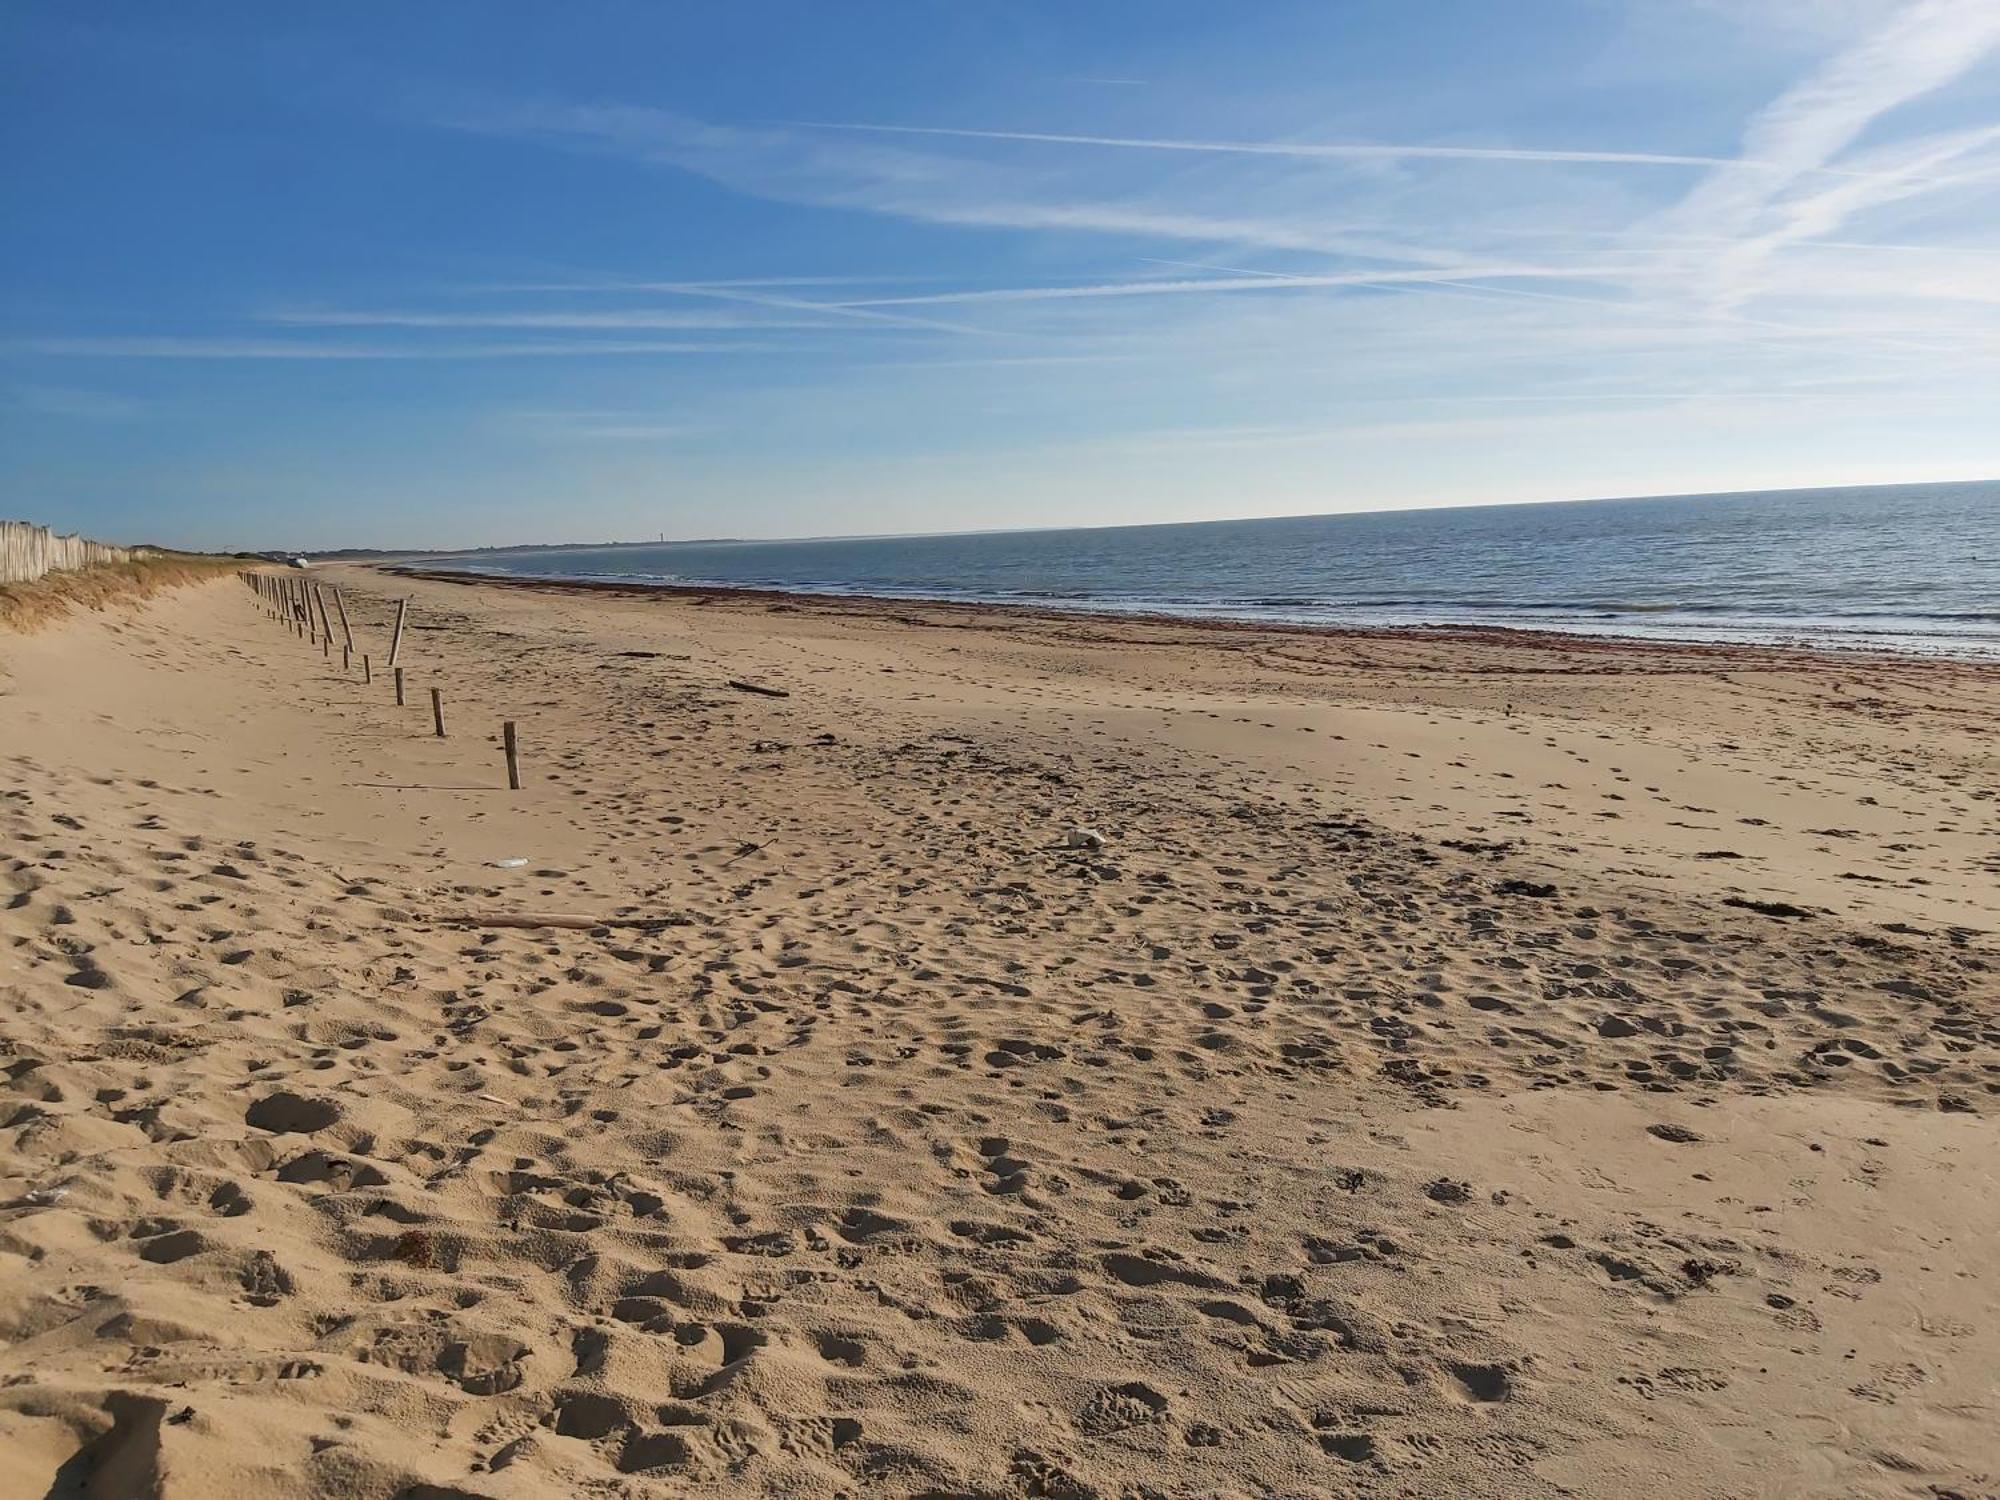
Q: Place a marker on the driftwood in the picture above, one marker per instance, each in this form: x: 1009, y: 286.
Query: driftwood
x: 758, y: 688
x: 574, y: 924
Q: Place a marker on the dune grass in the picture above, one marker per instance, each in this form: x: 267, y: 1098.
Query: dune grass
x: 29, y: 606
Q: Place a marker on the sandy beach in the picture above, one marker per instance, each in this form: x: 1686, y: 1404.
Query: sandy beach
x: 1456, y: 1066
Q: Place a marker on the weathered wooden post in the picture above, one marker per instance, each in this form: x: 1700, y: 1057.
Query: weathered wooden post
x: 396, y: 640
x: 437, y: 711
x: 399, y: 687
x: 346, y: 630
x: 367, y: 670
x: 319, y: 599
x: 512, y: 748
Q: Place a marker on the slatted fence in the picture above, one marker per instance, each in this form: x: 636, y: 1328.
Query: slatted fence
x: 28, y: 551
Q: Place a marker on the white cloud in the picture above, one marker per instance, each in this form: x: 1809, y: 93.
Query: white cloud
x: 1917, y: 51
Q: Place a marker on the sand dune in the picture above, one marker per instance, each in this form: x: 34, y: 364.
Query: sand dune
x: 1467, y: 1067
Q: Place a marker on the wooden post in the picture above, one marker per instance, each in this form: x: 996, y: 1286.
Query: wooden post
x: 399, y: 687
x: 346, y: 630
x: 396, y: 640
x: 319, y: 599
x: 326, y: 647
x: 437, y: 711
x: 367, y: 669
x: 346, y: 657
x: 512, y: 748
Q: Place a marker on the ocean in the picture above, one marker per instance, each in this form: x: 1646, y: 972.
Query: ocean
x: 1912, y: 568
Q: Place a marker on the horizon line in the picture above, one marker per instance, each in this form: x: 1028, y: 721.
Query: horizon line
x: 879, y: 536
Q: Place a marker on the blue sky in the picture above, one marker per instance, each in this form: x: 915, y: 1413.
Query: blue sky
x: 462, y: 273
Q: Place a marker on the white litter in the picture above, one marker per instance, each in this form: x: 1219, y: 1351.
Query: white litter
x: 1085, y: 838
x: 505, y: 864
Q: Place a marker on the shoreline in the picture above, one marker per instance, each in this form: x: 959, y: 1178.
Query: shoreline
x: 983, y: 612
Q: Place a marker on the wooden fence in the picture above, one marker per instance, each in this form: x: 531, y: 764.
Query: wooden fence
x: 28, y: 551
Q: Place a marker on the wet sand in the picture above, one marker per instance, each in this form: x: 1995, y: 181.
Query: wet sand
x: 1463, y: 1065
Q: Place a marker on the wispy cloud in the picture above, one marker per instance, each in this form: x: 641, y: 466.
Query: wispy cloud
x: 811, y: 167
x: 626, y: 284
x: 611, y: 319
x: 281, y: 349
x: 795, y: 304
x: 1259, y: 281
x: 1907, y: 173
x: 1317, y: 151
x: 1917, y: 51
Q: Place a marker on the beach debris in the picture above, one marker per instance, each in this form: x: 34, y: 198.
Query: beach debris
x: 1538, y: 889
x: 1083, y: 838
x: 1448, y: 1190
x: 758, y: 688
x: 1766, y: 908
x: 506, y: 864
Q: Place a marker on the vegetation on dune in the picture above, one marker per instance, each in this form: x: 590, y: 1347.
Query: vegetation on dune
x: 28, y: 606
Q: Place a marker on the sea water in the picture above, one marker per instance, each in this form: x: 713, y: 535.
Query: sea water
x: 1906, y: 568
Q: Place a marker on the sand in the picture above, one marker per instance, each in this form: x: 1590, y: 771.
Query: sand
x: 1468, y: 1066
